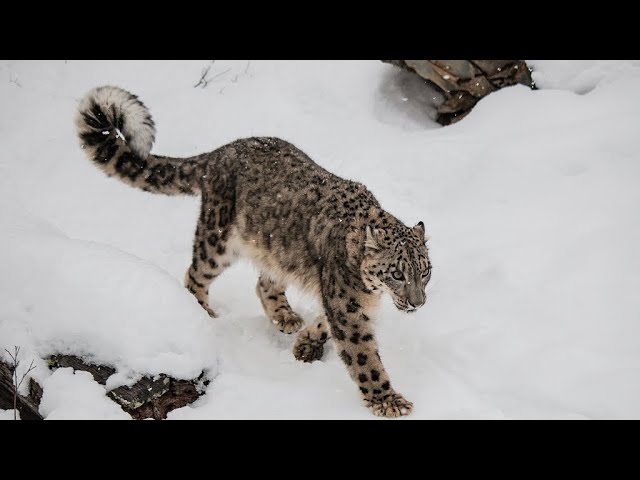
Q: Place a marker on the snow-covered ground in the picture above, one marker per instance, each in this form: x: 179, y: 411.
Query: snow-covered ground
x: 531, y: 203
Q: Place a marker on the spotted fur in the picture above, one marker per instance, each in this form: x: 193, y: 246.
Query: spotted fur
x: 265, y: 199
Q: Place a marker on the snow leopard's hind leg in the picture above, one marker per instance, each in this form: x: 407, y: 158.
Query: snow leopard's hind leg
x: 211, y: 246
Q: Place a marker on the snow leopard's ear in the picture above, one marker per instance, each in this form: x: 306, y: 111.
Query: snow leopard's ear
x: 419, y: 230
x: 372, y: 242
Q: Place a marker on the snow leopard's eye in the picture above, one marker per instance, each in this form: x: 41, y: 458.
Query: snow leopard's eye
x: 397, y: 275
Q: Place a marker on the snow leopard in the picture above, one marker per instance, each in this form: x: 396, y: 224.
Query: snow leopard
x: 301, y: 225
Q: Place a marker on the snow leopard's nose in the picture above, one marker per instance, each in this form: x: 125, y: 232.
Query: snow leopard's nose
x: 415, y: 307
x: 416, y: 299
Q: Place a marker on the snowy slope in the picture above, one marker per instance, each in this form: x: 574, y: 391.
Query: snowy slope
x: 531, y: 204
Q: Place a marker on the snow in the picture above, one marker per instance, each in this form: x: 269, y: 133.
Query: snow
x: 70, y: 395
x: 581, y: 76
x: 530, y: 203
x: 8, y: 414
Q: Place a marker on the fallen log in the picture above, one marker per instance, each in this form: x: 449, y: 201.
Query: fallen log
x: 149, y: 397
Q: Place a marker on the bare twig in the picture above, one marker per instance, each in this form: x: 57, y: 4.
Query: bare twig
x: 246, y: 71
x: 204, y: 81
x: 16, y: 384
x: 14, y: 80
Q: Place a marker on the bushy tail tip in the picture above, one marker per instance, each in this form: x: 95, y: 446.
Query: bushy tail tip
x: 105, y: 108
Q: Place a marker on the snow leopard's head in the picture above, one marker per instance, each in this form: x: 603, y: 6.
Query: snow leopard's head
x: 396, y: 260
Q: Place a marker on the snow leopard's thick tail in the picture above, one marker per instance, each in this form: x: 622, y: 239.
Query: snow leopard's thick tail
x: 117, y: 132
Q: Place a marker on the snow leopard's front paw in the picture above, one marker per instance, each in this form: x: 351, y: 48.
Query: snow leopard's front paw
x: 306, y: 349
x: 395, y: 405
